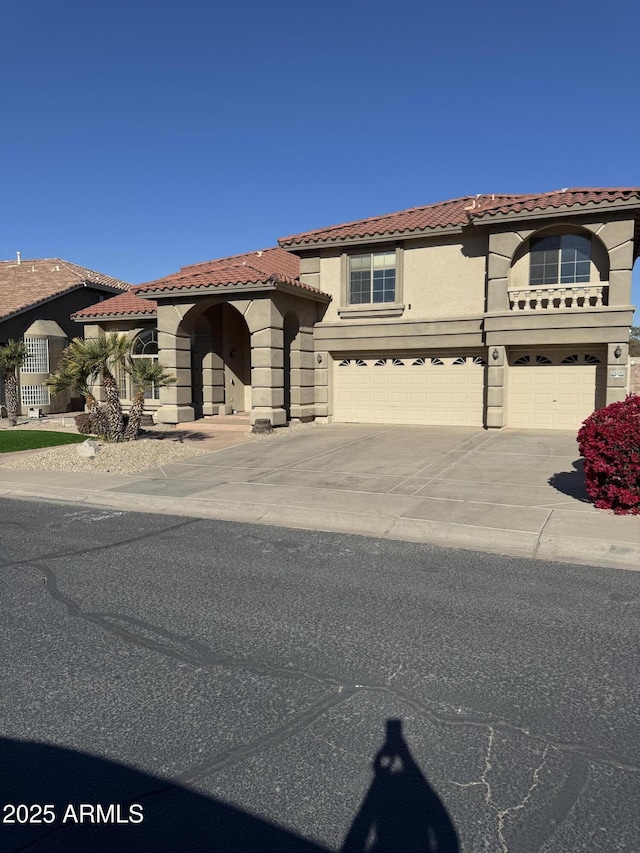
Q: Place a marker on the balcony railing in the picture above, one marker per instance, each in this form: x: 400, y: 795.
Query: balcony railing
x: 549, y: 297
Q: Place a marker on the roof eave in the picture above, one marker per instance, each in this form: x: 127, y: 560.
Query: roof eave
x: 225, y: 290
x: 550, y: 212
x: 103, y: 318
x: 385, y: 237
x: 305, y: 292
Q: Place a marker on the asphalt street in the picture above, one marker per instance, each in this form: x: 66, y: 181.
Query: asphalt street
x: 236, y: 684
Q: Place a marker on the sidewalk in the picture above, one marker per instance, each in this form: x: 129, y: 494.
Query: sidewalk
x: 515, y: 492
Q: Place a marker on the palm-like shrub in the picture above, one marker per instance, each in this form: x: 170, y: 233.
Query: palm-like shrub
x: 609, y: 441
x: 84, y: 362
x: 144, y: 374
x: 72, y: 376
x: 12, y: 355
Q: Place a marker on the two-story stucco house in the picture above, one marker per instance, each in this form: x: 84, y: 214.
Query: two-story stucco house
x: 506, y: 310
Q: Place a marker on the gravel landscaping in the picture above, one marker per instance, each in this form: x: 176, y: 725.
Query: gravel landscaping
x: 157, y: 447
x: 129, y: 457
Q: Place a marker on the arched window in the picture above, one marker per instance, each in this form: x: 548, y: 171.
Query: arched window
x: 145, y: 345
x: 560, y: 259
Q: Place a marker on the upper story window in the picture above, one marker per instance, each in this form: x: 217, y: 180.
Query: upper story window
x: 561, y: 259
x: 372, y: 278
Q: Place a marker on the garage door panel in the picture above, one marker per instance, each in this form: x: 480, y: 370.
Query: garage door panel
x: 551, y: 396
x: 416, y: 393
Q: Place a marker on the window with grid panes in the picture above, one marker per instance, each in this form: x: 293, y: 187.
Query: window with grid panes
x: 562, y: 259
x: 146, y: 346
x: 37, y: 358
x: 372, y: 278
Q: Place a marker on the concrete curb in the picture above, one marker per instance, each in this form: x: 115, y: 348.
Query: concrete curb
x: 593, y: 551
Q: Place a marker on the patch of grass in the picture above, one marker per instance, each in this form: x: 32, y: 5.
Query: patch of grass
x: 30, y: 439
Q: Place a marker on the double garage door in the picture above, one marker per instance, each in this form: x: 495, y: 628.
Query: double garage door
x: 544, y: 389
x: 420, y: 389
x: 549, y: 389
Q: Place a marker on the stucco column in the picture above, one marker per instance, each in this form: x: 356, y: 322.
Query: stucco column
x: 617, y: 379
x: 302, y: 375
x: 321, y: 381
x: 267, y: 380
x: 174, y: 350
x: 265, y: 324
x: 495, y: 388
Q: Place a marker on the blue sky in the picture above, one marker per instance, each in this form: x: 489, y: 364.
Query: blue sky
x: 141, y: 136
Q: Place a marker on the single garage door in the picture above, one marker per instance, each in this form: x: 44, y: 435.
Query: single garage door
x: 445, y: 390
x: 554, y: 390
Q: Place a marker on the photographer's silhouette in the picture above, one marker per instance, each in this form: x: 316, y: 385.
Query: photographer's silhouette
x: 401, y: 813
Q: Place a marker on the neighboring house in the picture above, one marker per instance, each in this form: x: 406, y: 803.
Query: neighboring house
x: 37, y: 298
x: 507, y: 310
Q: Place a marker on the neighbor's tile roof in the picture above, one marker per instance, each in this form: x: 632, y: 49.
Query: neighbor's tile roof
x: 250, y: 268
x: 124, y: 304
x: 28, y: 283
x: 457, y: 212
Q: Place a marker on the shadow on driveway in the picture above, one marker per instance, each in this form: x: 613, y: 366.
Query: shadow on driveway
x: 571, y: 483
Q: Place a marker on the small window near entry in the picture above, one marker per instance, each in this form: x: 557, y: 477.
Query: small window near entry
x: 146, y: 346
x: 562, y: 259
x: 372, y: 278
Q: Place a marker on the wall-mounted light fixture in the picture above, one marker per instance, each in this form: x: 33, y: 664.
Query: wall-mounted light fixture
x: 617, y: 352
x: 495, y: 355
x: 319, y: 358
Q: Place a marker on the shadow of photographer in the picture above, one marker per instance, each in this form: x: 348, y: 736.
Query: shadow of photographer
x: 140, y: 812
x: 401, y: 811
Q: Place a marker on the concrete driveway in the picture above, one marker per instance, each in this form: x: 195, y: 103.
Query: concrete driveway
x: 514, y: 492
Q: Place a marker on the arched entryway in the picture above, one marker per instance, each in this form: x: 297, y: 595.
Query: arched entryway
x: 249, y: 354
x: 221, y: 361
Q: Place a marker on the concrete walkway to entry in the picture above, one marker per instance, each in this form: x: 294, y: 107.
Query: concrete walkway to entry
x: 513, y: 492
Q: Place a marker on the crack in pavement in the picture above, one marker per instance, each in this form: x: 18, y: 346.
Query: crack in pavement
x: 191, y: 652
x: 502, y: 814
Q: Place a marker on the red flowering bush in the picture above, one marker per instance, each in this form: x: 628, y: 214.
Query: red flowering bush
x: 609, y: 441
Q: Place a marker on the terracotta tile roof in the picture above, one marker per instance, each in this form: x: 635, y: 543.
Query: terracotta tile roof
x: 124, y: 304
x: 274, y: 264
x: 455, y: 213
x: 556, y: 199
x: 30, y: 282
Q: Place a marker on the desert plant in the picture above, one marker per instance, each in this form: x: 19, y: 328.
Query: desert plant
x: 144, y: 373
x: 86, y: 361
x: 71, y: 376
x: 85, y: 424
x: 609, y: 441
x: 12, y: 355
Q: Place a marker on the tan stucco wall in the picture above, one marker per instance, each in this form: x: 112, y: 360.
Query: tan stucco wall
x: 446, y: 280
x: 440, y: 279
